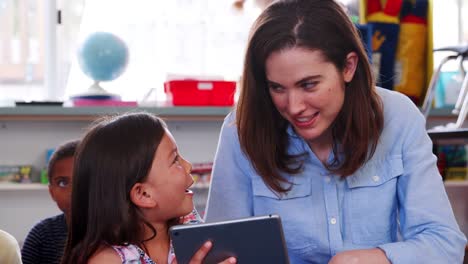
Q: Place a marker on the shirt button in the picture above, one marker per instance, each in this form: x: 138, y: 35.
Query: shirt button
x: 327, y: 179
x: 333, y: 220
x: 375, y: 178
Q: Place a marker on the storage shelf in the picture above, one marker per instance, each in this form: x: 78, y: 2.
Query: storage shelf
x: 442, y: 112
x: 59, y: 113
x: 7, y: 186
x: 456, y: 183
x: 22, y: 186
x: 461, y: 133
x: 197, y: 186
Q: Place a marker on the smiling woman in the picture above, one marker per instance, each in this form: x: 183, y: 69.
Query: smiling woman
x: 348, y: 166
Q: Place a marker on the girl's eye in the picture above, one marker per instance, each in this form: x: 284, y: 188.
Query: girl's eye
x: 176, y: 159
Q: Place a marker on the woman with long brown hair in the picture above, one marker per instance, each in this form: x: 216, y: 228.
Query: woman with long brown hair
x: 348, y: 166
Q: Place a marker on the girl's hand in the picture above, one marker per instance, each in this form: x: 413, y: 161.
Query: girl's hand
x: 361, y: 256
x: 200, y: 255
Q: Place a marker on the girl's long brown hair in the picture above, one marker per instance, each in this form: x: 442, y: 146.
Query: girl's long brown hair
x: 114, y: 155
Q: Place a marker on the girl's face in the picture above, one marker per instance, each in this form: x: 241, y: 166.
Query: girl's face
x: 169, y: 179
x: 307, y: 91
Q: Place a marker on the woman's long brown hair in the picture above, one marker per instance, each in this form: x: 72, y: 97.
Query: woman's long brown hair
x: 315, y: 25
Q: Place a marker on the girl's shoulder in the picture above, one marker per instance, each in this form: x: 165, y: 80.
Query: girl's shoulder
x: 105, y: 255
x: 132, y: 254
x: 124, y: 254
x: 192, y: 218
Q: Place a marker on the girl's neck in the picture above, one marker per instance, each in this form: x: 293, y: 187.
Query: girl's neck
x: 158, y: 247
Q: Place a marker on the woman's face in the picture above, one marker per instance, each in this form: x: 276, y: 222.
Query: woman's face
x: 307, y: 90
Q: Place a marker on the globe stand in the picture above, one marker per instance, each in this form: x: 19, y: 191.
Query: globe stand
x: 95, y: 91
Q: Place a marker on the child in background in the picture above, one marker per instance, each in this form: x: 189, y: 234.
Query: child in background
x: 9, y: 249
x: 46, y: 241
x: 130, y: 185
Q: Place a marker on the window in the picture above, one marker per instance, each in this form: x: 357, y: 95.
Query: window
x: 179, y: 37
x: 26, y: 27
x: 450, y: 28
x: 21, y: 46
x: 183, y: 37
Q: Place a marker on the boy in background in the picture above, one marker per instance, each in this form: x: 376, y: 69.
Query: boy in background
x: 46, y: 240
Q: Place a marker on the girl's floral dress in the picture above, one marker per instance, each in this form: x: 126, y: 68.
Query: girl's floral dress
x: 132, y: 254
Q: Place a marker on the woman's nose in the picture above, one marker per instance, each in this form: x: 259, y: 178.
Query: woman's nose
x: 295, y: 103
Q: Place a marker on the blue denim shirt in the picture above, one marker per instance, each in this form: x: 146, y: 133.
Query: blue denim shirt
x: 396, y: 201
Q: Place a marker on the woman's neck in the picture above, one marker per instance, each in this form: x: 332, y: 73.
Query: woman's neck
x: 322, y: 147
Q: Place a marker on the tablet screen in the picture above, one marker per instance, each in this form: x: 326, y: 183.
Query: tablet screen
x: 257, y: 239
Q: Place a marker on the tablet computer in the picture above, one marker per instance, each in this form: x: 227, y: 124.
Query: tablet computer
x: 258, y: 239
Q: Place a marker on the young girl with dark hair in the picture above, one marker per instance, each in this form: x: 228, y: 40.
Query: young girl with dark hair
x: 130, y: 185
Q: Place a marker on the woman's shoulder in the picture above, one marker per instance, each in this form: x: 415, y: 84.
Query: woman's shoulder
x: 398, y: 105
x: 230, y: 119
x: 229, y: 128
x: 105, y: 254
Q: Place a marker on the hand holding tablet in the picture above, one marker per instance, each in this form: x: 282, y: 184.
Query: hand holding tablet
x: 250, y: 240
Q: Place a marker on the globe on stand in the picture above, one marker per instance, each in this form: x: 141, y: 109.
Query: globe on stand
x: 102, y: 56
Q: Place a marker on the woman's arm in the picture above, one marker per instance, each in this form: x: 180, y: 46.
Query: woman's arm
x: 230, y: 190
x: 362, y: 256
x: 428, y: 227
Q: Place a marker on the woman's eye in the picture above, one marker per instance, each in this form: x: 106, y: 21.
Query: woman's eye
x: 276, y: 89
x: 308, y: 85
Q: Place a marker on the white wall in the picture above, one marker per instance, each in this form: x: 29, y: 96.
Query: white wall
x: 26, y: 142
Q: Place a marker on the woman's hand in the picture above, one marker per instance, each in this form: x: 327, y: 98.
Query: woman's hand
x: 361, y: 256
x: 201, y: 254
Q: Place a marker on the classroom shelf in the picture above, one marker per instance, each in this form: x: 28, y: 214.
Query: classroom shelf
x: 456, y: 183
x: 461, y: 133
x: 58, y: 113
x: 22, y: 186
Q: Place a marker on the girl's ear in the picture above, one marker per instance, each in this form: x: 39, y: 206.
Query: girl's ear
x: 350, y: 66
x: 140, y: 195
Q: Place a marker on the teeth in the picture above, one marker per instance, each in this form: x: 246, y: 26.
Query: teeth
x: 305, y: 119
x: 188, y: 191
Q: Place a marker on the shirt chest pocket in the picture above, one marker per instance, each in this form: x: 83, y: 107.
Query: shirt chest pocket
x: 373, y: 203
x: 301, y: 188
x: 295, y: 209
